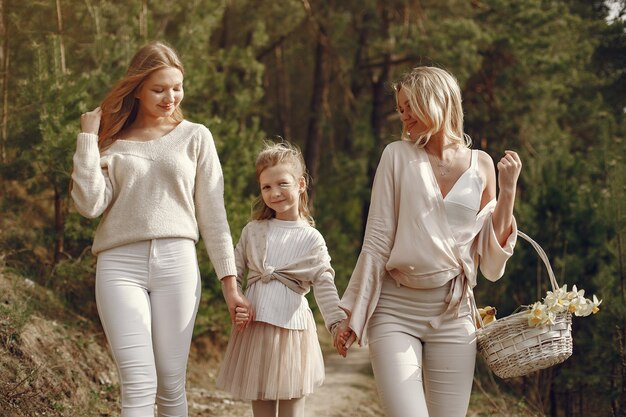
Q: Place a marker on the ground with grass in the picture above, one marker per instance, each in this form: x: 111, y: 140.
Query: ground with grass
x: 55, y: 363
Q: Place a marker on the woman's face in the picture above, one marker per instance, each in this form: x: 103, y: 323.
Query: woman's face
x: 161, y: 93
x: 410, y: 123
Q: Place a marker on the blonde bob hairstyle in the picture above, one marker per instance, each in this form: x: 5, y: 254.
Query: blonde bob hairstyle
x: 435, y: 99
x: 271, y: 155
x: 120, y: 106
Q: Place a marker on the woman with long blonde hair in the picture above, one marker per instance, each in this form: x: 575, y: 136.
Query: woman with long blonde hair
x: 155, y: 180
x: 433, y: 221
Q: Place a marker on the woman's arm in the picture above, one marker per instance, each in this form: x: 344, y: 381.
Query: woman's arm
x: 92, y: 191
x: 509, y: 168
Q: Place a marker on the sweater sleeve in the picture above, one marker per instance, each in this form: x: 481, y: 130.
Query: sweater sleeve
x: 91, y: 189
x: 361, y: 297
x: 493, y: 257
x: 210, y: 209
x: 240, y: 258
x: 325, y: 292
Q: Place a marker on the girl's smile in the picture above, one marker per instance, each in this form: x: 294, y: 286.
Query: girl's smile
x: 281, y: 190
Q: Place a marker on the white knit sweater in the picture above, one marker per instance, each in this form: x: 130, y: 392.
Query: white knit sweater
x: 282, y: 260
x: 167, y: 187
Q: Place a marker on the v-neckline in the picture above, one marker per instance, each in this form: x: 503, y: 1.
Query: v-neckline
x: 434, y: 177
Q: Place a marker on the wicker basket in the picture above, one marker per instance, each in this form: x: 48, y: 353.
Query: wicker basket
x: 513, y: 348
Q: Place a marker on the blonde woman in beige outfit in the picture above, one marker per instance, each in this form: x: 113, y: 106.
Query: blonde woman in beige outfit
x: 433, y: 221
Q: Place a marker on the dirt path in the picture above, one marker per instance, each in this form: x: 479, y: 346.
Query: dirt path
x: 348, y: 390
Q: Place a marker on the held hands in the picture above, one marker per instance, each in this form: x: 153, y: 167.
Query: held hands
x: 240, y: 309
x: 509, y: 169
x: 90, y: 121
x: 343, y: 337
x: 243, y: 316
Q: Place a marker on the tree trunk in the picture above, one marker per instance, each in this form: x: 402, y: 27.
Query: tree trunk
x: 143, y: 20
x: 379, y: 79
x: 377, y: 118
x: 283, y: 94
x: 61, y: 41
x: 59, y: 224
x: 316, y: 114
x: 553, y: 401
x: 621, y: 336
x: 4, y: 62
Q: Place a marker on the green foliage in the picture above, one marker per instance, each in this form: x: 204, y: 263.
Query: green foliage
x: 542, y: 77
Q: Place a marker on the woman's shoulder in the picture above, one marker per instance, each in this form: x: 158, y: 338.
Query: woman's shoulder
x: 399, y: 145
x: 400, y: 149
x: 193, y: 127
x: 484, y: 160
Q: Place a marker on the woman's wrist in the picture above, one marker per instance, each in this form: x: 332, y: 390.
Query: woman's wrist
x: 229, y: 285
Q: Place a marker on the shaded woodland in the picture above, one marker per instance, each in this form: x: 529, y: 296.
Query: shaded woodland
x: 546, y: 78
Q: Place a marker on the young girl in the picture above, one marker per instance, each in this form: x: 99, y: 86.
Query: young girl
x: 276, y: 360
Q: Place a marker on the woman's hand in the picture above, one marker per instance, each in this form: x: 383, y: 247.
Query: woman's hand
x: 240, y: 309
x: 343, y: 337
x: 509, y: 169
x: 90, y: 121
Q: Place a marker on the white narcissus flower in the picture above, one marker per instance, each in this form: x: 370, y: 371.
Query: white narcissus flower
x: 577, y: 304
x: 595, y: 305
x: 557, y: 301
x: 574, y: 293
x: 585, y: 309
x: 539, y: 315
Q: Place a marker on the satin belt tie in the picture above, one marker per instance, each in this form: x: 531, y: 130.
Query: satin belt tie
x: 458, y: 291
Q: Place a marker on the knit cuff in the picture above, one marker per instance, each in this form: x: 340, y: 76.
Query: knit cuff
x: 224, y: 267
x: 87, y: 143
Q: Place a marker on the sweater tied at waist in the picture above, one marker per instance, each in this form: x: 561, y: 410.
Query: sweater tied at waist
x: 270, y: 273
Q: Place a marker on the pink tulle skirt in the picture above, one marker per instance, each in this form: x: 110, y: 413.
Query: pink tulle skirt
x: 266, y: 362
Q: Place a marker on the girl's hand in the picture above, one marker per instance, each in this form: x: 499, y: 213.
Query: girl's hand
x: 343, y: 337
x: 509, y: 169
x: 234, y: 299
x: 242, y: 317
x: 90, y: 121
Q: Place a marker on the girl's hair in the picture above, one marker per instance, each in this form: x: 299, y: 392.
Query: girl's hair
x: 435, y: 99
x: 119, y: 107
x: 282, y: 153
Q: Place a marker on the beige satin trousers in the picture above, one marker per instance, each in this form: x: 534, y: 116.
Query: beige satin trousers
x: 421, y: 371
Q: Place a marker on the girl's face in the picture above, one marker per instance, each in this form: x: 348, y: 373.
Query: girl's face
x: 161, y: 93
x: 410, y: 123
x: 281, y: 190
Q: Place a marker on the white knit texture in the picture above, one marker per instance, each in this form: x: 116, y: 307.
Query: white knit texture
x: 164, y: 188
x: 274, y: 302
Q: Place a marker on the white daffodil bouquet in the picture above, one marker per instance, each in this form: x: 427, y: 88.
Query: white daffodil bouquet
x: 561, y: 301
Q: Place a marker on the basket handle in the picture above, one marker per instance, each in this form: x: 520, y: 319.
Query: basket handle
x: 543, y: 257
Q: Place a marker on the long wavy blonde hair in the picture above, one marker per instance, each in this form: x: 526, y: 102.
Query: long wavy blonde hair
x: 282, y: 153
x: 435, y: 99
x: 119, y: 107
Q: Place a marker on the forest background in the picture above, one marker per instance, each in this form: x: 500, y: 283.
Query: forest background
x: 545, y: 78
